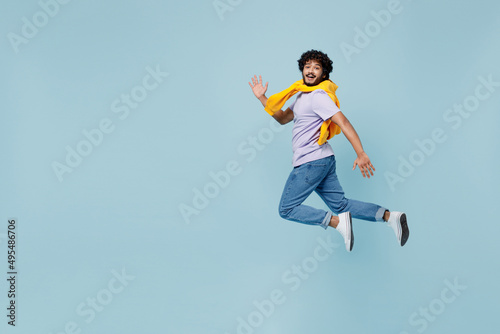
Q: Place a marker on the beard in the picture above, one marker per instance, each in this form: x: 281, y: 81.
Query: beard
x: 316, y: 81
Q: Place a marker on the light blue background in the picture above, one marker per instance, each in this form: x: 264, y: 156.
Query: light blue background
x: 119, y: 209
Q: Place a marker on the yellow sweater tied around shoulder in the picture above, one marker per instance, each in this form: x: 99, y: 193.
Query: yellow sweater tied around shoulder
x: 277, y: 101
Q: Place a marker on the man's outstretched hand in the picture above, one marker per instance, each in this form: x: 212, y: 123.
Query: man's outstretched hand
x: 258, y: 89
x: 364, y: 164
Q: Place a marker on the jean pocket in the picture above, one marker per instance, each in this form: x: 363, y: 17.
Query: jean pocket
x: 314, y: 172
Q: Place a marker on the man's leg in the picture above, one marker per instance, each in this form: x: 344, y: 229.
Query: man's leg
x: 302, y: 181
x: 332, y: 194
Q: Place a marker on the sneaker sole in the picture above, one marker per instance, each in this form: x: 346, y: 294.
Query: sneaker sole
x: 352, y: 234
x: 405, y: 232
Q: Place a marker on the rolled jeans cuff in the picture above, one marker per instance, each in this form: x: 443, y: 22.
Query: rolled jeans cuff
x: 379, y: 216
x: 326, y: 221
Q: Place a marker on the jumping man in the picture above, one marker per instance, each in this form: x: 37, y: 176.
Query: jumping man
x: 317, y: 118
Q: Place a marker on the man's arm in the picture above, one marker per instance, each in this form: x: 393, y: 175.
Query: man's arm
x: 362, y: 161
x: 282, y: 117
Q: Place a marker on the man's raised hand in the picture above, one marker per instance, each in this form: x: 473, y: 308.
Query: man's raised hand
x: 258, y: 89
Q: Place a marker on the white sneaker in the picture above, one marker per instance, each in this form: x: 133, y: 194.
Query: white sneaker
x: 397, y: 220
x: 345, y: 228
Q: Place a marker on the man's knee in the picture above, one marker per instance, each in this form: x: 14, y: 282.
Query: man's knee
x: 284, y: 213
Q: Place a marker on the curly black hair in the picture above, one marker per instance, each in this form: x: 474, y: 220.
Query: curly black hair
x: 320, y: 57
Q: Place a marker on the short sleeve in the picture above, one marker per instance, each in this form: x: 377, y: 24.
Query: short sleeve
x: 292, y: 105
x: 323, y: 105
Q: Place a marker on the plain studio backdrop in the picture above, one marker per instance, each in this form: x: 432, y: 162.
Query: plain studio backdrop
x: 144, y: 176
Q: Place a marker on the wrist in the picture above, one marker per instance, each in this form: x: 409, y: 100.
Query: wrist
x: 263, y: 99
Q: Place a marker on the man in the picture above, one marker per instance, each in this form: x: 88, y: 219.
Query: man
x: 317, y: 117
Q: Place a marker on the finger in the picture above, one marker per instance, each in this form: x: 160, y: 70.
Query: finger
x: 361, y: 170
x: 366, y: 168
x: 260, y: 79
x: 266, y: 85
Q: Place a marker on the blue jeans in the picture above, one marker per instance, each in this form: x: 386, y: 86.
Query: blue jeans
x: 320, y: 176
